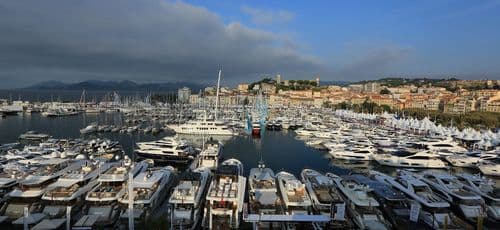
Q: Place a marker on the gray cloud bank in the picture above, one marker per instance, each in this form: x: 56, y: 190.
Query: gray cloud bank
x: 150, y: 40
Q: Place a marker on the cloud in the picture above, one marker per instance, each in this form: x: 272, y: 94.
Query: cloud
x: 367, y: 61
x: 267, y: 17
x: 151, y: 40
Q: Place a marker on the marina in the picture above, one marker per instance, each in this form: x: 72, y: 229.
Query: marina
x: 339, y: 174
x: 251, y: 115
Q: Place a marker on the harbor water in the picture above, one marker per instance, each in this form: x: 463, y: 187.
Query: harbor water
x: 280, y: 150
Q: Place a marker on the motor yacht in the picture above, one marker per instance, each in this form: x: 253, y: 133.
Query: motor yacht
x: 10, y: 176
x: 435, y: 210
x: 149, y: 189
x: 226, y: 196
x: 8, y: 146
x: 187, y: 199
x: 209, y: 157
x: 263, y: 191
x: 70, y: 188
x: 203, y: 127
x: 59, y: 112
x: 168, y: 149
x: 33, y: 136
x: 490, y: 166
x: 469, y: 204
x: 304, y: 132
x: 324, y: 194
x: 294, y: 194
x: 101, y: 207
x: 31, y: 188
x: 486, y: 189
x: 422, y: 159
x: 393, y: 203
x: 444, y: 147
x: 361, y: 206
x: 36, y: 182
x: 92, y: 128
x: 467, y: 160
x: 354, y: 153
x: 383, y: 141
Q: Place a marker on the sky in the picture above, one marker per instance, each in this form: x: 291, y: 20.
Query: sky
x: 170, y: 41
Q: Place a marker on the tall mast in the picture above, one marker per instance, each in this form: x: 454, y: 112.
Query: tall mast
x: 217, y: 95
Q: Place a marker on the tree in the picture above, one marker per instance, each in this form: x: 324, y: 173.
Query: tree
x: 385, y: 91
x: 327, y: 104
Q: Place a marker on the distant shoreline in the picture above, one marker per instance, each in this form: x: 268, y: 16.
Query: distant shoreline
x: 47, y: 95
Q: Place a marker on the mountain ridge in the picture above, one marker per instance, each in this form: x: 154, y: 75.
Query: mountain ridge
x: 115, y: 85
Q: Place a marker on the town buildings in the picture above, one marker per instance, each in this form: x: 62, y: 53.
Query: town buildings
x: 280, y: 92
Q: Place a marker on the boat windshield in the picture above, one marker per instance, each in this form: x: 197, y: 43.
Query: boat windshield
x: 366, y: 210
x: 184, y: 206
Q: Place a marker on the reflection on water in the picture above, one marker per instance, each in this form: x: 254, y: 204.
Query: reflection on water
x: 198, y: 140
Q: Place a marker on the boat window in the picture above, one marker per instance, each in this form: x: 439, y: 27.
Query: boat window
x: 182, y: 207
x: 496, y: 160
x: 362, y: 151
x: 431, y: 177
x: 442, y: 145
x: 464, y: 181
x: 419, y: 157
x: 418, y: 189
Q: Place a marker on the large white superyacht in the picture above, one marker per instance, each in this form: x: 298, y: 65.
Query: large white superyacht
x: 226, y: 196
x: 187, y: 199
x: 203, y: 127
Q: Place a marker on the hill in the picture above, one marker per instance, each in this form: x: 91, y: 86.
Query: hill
x: 115, y: 85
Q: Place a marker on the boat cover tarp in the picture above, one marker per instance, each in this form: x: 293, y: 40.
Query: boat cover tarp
x: 265, y: 197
